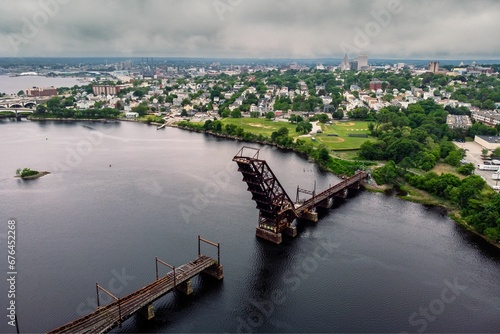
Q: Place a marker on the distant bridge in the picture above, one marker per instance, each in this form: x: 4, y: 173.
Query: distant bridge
x: 28, y: 102
x: 276, y: 209
x: 15, y: 113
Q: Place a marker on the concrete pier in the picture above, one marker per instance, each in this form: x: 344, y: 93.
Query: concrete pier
x: 216, y: 271
x: 269, y: 235
x: 310, y: 216
x: 148, y: 312
x: 185, y: 287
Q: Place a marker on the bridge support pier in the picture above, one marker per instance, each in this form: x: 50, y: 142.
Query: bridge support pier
x: 326, y: 204
x: 147, y: 312
x: 216, y: 271
x: 291, y: 231
x: 185, y: 287
x: 341, y: 194
x: 356, y: 186
x: 310, y: 215
x: 269, y: 235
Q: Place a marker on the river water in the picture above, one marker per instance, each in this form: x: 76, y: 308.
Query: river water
x: 12, y: 85
x: 122, y: 193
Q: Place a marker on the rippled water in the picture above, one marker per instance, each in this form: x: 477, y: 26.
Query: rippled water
x: 118, y: 196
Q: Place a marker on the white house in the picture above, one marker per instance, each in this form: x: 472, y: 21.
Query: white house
x: 131, y: 115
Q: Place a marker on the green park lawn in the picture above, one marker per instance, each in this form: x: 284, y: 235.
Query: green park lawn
x: 342, y: 129
x: 342, y: 142
x: 261, y: 126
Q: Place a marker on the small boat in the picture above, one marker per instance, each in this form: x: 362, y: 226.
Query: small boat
x: 161, y: 126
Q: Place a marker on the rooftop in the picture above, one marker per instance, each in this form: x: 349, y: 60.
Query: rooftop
x: 491, y: 139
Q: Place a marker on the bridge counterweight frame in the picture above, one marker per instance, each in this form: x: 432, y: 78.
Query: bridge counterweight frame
x: 276, y: 209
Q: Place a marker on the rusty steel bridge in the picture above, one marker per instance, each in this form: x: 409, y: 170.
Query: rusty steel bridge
x: 276, y: 209
x: 110, y: 316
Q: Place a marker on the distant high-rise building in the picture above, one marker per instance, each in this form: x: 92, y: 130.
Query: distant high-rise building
x: 434, y: 66
x: 353, y: 65
x: 106, y: 89
x: 344, y: 66
x: 362, y: 62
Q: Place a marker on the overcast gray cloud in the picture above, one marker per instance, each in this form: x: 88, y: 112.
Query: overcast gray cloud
x: 251, y: 28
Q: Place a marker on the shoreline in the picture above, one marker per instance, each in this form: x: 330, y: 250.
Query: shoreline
x: 423, y: 199
x: 100, y: 120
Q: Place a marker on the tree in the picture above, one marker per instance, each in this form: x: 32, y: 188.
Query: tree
x: 359, y: 113
x: 295, y: 119
x: 184, y: 113
x: 40, y: 109
x: 323, y: 155
x: 496, y: 152
x: 282, y: 132
x: 388, y: 174
x: 304, y: 127
x: 469, y: 189
x: 489, y: 104
x: 236, y: 113
x: 406, y: 163
x: 20, y: 93
x: 388, y: 97
x: 323, y: 118
x: 466, y: 169
x: 373, y: 150
x: 339, y: 114
x: 270, y: 115
x: 402, y: 148
x: 140, y: 109
x: 454, y: 158
x: 139, y: 93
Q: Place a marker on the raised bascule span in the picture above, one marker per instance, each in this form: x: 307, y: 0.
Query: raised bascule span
x: 276, y: 210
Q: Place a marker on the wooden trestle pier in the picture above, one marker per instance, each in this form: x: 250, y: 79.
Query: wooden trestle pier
x: 276, y: 209
x: 105, y: 318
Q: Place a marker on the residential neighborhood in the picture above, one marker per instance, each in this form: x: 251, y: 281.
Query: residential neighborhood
x: 168, y: 93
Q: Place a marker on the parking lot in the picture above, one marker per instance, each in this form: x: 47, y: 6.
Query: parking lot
x: 473, y: 155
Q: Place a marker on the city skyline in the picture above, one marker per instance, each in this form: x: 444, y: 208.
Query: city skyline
x: 449, y: 29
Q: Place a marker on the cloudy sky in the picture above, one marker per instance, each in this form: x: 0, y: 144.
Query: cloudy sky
x: 441, y: 29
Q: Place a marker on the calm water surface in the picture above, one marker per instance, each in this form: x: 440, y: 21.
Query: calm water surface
x: 12, y: 85
x: 122, y: 193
